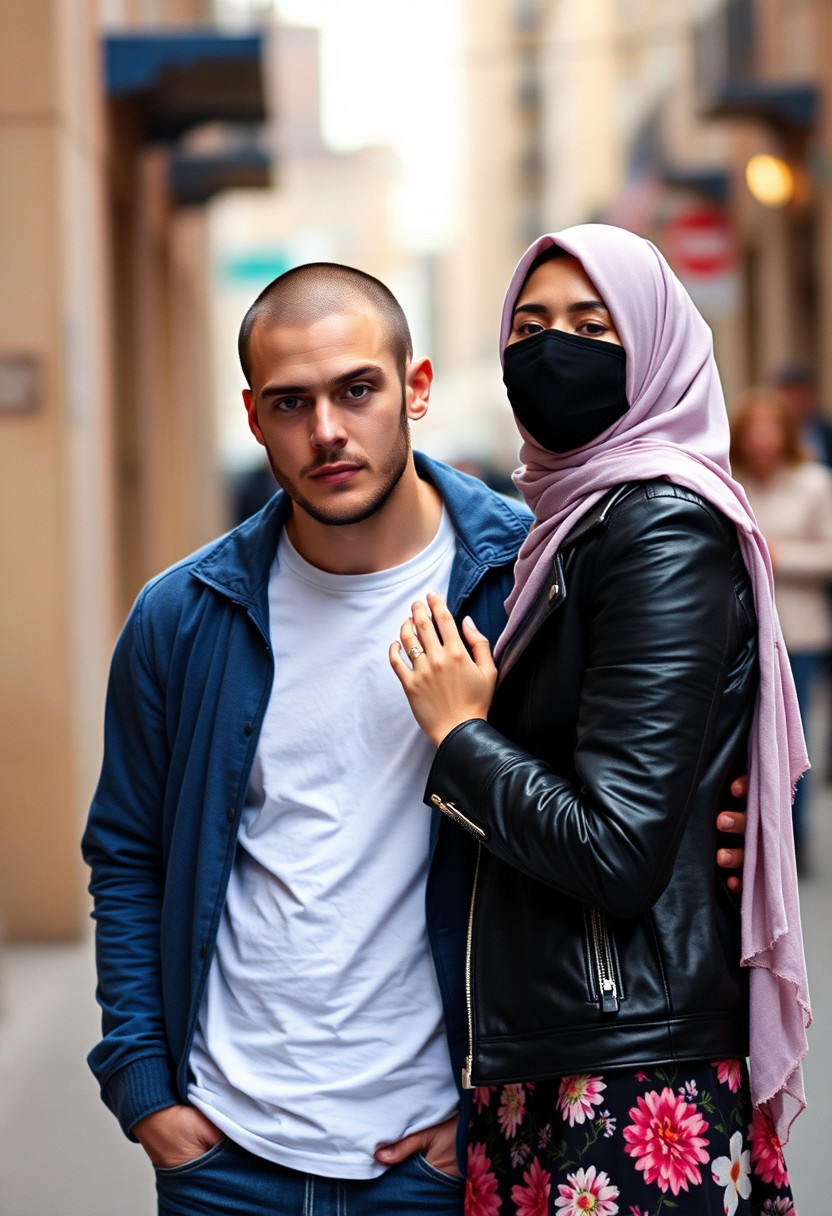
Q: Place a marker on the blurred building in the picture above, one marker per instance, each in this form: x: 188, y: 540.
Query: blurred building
x: 325, y: 205
x: 119, y: 122
x: 647, y: 115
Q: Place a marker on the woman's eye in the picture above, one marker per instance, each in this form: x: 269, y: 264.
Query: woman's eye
x: 593, y: 329
x: 528, y: 328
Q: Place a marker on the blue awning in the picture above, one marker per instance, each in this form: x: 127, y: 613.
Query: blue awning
x: 182, y: 78
x: 782, y: 104
x: 196, y: 179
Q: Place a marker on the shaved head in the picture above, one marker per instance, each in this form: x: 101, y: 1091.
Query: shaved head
x: 309, y: 293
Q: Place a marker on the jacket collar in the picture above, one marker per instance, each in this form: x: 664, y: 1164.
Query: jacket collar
x: 489, y: 530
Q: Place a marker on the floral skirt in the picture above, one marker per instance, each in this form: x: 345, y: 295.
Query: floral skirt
x: 666, y: 1141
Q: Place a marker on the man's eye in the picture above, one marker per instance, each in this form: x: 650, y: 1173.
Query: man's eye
x: 357, y: 392
x: 288, y: 405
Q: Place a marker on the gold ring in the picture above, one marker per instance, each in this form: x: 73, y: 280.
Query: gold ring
x: 414, y: 652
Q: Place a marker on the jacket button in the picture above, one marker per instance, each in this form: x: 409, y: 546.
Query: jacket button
x: 229, y: 814
x: 248, y: 728
x: 553, y: 591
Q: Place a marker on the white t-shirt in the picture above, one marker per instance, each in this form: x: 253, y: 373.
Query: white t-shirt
x: 320, y: 1034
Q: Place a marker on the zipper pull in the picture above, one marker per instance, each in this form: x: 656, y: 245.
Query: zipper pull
x: 466, y: 1073
x: 609, y: 997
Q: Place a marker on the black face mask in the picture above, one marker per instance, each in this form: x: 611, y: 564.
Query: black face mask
x: 566, y: 390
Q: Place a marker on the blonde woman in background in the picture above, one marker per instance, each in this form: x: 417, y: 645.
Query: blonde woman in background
x: 791, y: 497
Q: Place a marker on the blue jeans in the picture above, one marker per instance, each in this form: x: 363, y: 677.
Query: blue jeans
x: 228, y: 1179
x: 806, y: 666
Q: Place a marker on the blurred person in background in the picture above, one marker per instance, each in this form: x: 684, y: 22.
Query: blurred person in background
x: 796, y: 385
x: 614, y: 990
x: 791, y: 496
x: 280, y: 929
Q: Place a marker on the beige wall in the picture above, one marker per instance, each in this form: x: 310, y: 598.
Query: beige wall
x: 56, y: 610
x: 112, y: 473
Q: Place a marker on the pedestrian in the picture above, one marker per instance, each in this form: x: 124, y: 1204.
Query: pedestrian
x: 795, y: 383
x: 791, y: 496
x: 608, y: 1013
x: 280, y: 928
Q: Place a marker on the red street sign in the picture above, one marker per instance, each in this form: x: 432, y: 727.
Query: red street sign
x: 700, y: 241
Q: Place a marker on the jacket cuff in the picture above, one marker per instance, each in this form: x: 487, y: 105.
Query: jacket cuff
x: 138, y: 1090
x: 464, y: 761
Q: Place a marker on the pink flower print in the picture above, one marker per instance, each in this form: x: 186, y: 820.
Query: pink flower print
x: 779, y: 1207
x: 734, y: 1173
x: 532, y: 1199
x: 482, y: 1096
x: 729, y: 1072
x: 641, y: 1076
x: 689, y: 1091
x: 666, y: 1139
x: 578, y: 1095
x: 585, y: 1192
x: 519, y: 1153
x: 606, y: 1123
x: 512, y: 1109
x: 480, y: 1184
x: 766, y: 1152
x: 635, y: 1210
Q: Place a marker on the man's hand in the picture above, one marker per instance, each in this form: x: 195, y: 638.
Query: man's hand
x: 734, y: 823
x: 437, y: 1145
x: 176, y: 1134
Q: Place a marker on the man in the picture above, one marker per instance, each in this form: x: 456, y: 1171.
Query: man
x: 281, y: 923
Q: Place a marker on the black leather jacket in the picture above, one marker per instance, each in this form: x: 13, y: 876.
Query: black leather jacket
x: 601, y: 934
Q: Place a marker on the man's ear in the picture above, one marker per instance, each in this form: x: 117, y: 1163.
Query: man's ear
x: 251, y: 411
x: 418, y: 381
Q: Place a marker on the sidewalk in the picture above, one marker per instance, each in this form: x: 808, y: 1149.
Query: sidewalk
x: 64, y: 1155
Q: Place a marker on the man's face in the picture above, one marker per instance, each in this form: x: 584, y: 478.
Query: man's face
x: 328, y: 404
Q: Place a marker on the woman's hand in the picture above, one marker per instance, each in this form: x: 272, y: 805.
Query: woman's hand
x: 445, y: 685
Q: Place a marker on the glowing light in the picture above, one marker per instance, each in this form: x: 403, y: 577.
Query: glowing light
x: 770, y: 180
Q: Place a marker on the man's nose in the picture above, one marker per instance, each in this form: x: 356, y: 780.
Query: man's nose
x: 327, y: 424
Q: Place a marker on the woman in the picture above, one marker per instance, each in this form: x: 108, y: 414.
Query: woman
x: 792, y: 500
x: 608, y: 1013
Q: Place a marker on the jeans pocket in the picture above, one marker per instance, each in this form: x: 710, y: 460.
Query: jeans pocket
x: 195, y: 1163
x: 452, y: 1180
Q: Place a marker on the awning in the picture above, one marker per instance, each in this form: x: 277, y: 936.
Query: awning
x: 196, y: 179
x: 779, y: 104
x: 182, y: 78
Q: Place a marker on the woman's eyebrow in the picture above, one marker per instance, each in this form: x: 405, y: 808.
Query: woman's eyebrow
x: 537, y: 308
x: 587, y: 306
x: 579, y: 306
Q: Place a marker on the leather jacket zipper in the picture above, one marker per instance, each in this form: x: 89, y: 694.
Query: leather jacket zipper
x: 454, y: 813
x: 469, y: 1002
x: 601, y: 954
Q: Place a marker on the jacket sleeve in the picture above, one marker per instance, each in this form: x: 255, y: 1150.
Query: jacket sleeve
x: 122, y: 844
x: 658, y: 615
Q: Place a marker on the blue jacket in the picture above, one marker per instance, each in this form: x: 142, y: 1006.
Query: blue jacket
x: 190, y: 680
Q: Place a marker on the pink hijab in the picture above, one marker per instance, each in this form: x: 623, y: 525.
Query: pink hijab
x: 677, y: 428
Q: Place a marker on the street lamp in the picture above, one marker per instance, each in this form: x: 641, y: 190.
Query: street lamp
x: 770, y: 180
